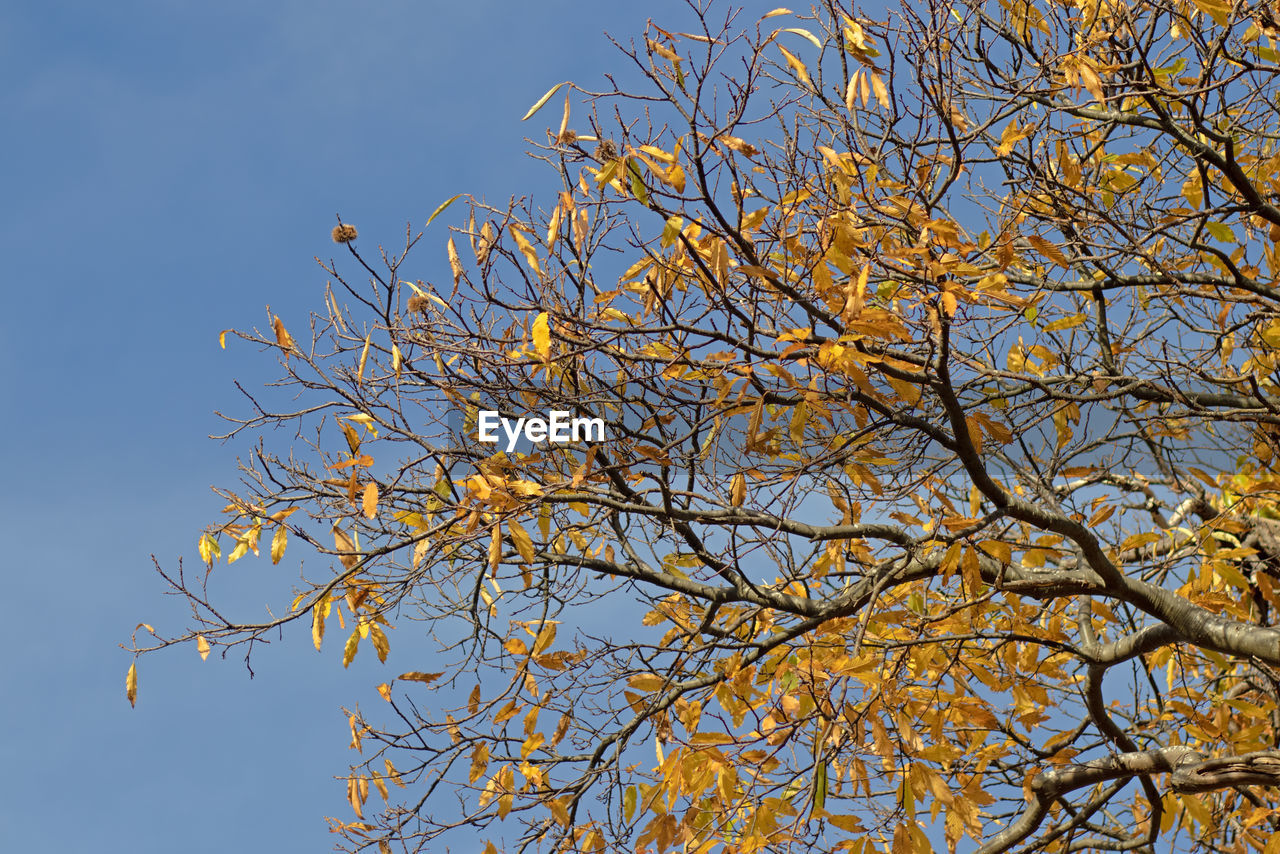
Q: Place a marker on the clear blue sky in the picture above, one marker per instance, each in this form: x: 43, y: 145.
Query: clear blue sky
x: 169, y: 169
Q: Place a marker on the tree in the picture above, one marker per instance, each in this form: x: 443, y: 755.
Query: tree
x: 937, y: 498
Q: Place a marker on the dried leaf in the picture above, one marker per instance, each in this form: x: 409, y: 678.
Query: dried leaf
x: 202, y: 647
x: 345, y: 548
x: 283, y: 339
x: 455, y: 262
x: 369, y: 502
x: 418, y: 676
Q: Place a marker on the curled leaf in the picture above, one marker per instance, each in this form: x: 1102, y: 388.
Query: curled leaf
x: 542, y: 102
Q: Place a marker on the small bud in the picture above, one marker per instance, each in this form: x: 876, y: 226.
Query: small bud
x: 344, y: 233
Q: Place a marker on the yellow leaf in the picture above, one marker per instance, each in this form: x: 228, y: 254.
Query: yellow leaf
x: 364, y: 357
x: 545, y: 638
x: 738, y: 490
x: 397, y: 363
x: 521, y: 540
x: 349, y: 651
x: 353, y: 796
x: 776, y: 12
x: 526, y: 249
x: 131, y: 684
x: 435, y: 213
x: 369, y: 502
x: 209, y: 549
x: 278, y: 542
x: 542, y: 102
x: 381, y: 645
x: 455, y: 262
x: 531, y: 744
x: 949, y: 303
x: 495, y: 547
x: 479, y: 761
x: 882, y: 92
x: 805, y: 34
x: 1220, y: 12
x: 317, y: 623
x: 222, y: 338
x: 241, y: 549
x: 542, y: 335
x: 345, y: 548
x: 202, y: 647
x: 796, y: 65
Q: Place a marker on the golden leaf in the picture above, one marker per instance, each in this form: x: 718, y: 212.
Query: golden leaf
x: 738, y: 490
x: 521, y: 540
x: 349, y: 650
x: 353, y: 795
x: 131, y: 684
x: 369, y: 502
x: 278, y: 542
x: 495, y: 547
x: 546, y: 636
x: 317, y: 623
x: 526, y: 249
x: 479, y: 761
x: 364, y: 357
x: 542, y: 335
x: 202, y: 647
x: 797, y: 66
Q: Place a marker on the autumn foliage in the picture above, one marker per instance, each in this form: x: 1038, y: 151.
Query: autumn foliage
x: 937, y: 507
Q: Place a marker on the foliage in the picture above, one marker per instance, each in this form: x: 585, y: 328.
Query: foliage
x: 936, y: 507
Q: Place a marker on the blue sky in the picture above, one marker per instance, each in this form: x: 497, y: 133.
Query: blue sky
x: 171, y: 169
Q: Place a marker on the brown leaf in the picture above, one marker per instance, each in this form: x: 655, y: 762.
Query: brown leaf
x: 283, y: 339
